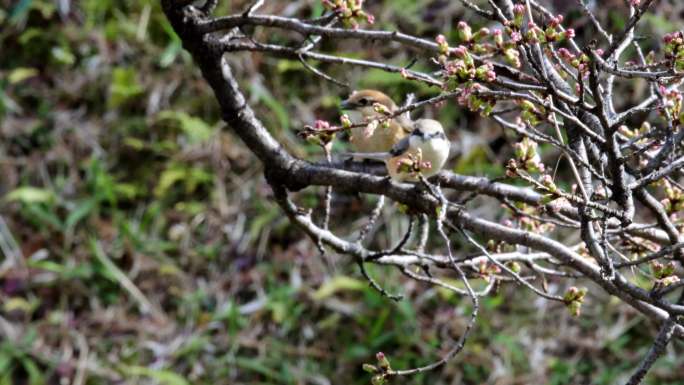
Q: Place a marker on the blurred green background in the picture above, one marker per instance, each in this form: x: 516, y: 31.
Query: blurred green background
x: 140, y: 246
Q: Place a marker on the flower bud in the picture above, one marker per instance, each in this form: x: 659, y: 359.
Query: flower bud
x: 565, y: 54
x: 498, y: 37
x: 443, y: 45
x: 550, y: 34
x: 481, y: 34
x: 566, y: 35
x: 518, y: 15
x: 512, y: 57
x: 547, y: 181
x: 465, y: 33
x: 460, y: 52
x: 321, y: 125
x: 556, y: 21
x: 383, y: 362
x: 515, y: 267
x: 346, y: 122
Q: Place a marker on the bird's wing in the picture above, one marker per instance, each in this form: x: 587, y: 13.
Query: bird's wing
x: 401, y: 146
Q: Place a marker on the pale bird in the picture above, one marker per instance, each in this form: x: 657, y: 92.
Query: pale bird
x: 367, y: 106
x: 427, y: 143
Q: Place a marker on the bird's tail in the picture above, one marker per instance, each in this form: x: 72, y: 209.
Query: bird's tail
x: 369, y: 155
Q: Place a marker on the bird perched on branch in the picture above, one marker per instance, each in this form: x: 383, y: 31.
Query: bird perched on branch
x: 424, y: 152
x: 371, y: 106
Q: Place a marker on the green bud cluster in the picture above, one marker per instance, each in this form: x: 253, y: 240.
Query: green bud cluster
x: 527, y: 156
x: 350, y: 11
x: 381, y: 370
x: 574, y: 298
x: 674, y: 49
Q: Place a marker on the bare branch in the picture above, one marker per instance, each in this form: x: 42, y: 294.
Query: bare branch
x: 658, y: 348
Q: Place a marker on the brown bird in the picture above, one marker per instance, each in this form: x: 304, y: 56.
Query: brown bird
x: 427, y: 143
x: 368, y: 106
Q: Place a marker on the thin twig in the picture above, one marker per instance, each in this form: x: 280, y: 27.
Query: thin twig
x: 662, y: 339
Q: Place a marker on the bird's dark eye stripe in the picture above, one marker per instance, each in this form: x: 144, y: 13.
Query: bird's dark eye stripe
x: 421, y: 134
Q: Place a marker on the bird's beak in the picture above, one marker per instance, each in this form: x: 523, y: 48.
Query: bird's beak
x: 347, y: 105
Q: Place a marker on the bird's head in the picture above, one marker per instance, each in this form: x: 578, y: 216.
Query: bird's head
x: 427, y: 129
x: 362, y: 104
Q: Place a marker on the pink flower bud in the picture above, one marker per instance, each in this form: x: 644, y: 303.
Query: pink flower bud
x: 565, y: 54
x: 321, y: 125
x: 555, y: 21
x: 461, y: 51
x: 465, y: 33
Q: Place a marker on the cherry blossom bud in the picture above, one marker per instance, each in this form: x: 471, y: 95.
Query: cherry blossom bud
x: 518, y: 15
x: 547, y: 181
x: 565, y: 54
x: 465, y: 33
x: 442, y: 43
x: 346, y: 122
x: 555, y: 21
x: 498, y: 37
x: 481, y: 34
x: 569, y: 33
x: 512, y: 56
x: 321, y: 125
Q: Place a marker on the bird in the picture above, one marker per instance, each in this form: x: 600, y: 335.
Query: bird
x: 427, y: 147
x: 369, y: 106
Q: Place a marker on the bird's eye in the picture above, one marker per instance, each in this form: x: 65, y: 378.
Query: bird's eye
x: 363, y: 101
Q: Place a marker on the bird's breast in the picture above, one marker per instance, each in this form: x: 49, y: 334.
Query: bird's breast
x: 376, y: 137
x: 355, y: 116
